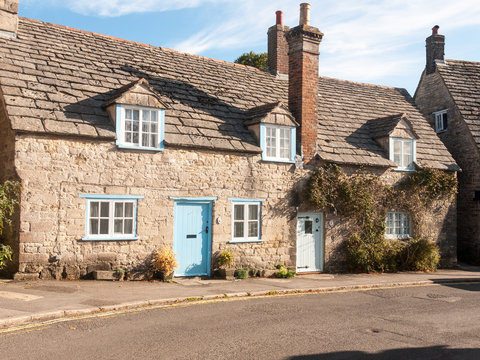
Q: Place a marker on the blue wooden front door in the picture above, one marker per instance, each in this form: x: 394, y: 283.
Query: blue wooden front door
x: 192, y: 230
x: 309, y: 242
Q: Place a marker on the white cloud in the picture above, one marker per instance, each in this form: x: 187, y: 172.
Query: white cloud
x: 115, y: 8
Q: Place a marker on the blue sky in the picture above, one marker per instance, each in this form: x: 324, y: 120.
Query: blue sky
x: 374, y: 41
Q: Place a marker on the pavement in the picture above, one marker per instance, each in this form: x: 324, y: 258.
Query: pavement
x: 24, y: 302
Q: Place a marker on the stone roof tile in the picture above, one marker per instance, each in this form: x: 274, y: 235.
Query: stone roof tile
x: 462, y: 78
x: 55, y: 80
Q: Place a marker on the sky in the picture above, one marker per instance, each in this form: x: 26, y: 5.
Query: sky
x: 374, y: 41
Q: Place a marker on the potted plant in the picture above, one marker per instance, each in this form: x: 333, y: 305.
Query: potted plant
x: 164, y: 263
x: 225, y: 261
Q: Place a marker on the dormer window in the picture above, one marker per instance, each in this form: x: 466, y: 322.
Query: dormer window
x: 441, y: 120
x: 402, y: 152
x: 138, y: 115
x: 140, y: 127
x: 275, y: 129
x: 396, y: 135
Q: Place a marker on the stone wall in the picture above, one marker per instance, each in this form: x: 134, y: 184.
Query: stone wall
x: 55, y: 171
x: 432, y: 96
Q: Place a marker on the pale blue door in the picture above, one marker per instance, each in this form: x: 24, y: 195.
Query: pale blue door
x: 309, y: 242
x: 192, y: 231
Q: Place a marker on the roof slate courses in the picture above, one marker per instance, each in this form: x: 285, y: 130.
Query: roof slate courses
x: 55, y: 80
x: 462, y: 78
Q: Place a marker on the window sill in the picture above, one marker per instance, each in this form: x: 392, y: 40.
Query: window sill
x: 398, y: 237
x: 404, y: 170
x: 110, y: 239
x: 245, y: 241
x: 282, y: 161
x: 144, y: 148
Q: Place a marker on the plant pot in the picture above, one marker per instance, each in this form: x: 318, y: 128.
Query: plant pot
x: 227, y: 274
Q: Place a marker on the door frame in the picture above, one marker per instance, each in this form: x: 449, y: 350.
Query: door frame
x: 322, y: 241
x: 196, y: 201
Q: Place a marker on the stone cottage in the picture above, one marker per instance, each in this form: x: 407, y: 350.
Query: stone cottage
x: 449, y: 97
x: 123, y: 147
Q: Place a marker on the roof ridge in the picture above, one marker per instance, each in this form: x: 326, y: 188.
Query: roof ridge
x: 363, y: 83
x: 140, y: 43
x: 463, y: 61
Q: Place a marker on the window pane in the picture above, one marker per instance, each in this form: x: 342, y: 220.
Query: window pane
x: 104, y: 209
x: 118, y: 227
x: 128, y: 226
x: 238, y: 229
x: 128, y: 114
x: 135, y: 138
x: 252, y: 229
x: 145, y: 139
x: 104, y: 226
x: 146, y: 115
x: 308, y: 227
x: 271, y: 142
x: 118, y: 209
x: 239, y: 212
x: 128, y: 209
x: 252, y: 212
x: 94, y: 208
x: 128, y: 125
x: 153, y: 115
x: 135, y: 114
x: 94, y: 226
x: 285, y: 143
x: 153, y: 140
x: 397, y: 150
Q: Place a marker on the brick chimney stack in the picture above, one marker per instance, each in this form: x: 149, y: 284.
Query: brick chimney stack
x: 8, y: 18
x: 435, y: 45
x: 278, y: 47
x: 304, y: 41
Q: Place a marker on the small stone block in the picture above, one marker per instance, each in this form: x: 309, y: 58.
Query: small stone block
x: 104, y: 275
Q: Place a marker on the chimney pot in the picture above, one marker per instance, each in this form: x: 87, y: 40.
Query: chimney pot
x: 435, y: 30
x: 279, y: 14
x: 304, y: 14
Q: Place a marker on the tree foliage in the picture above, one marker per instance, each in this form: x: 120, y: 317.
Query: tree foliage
x: 260, y: 61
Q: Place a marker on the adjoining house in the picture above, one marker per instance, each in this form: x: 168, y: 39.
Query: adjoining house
x: 123, y: 147
x: 449, y: 97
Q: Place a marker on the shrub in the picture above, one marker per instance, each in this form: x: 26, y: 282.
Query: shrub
x: 164, y: 260
x: 9, y: 195
x: 241, y: 273
x: 419, y: 255
x: 5, y: 255
x: 225, y: 259
x: 284, y: 273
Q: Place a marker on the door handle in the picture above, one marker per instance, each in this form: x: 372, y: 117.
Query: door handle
x: 206, y: 230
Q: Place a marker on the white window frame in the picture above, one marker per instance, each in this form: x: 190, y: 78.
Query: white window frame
x: 440, y: 118
x: 278, y: 130
x: 404, y: 230
x: 121, y: 127
x: 111, y: 200
x: 245, y: 203
x: 413, y: 150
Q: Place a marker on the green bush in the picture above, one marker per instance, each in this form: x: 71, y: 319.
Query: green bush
x: 241, y: 273
x: 5, y: 255
x: 284, y: 273
x: 419, y: 255
x: 225, y: 259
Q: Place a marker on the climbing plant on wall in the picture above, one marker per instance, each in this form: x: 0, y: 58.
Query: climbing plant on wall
x: 9, y: 196
x: 364, y: 201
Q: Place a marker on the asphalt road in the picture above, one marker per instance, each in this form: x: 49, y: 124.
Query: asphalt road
x: 432, y: 322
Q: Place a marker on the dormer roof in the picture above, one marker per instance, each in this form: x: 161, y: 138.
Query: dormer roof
x: 386, y: 126
x: 138, y: 92
x: 276, y: 113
